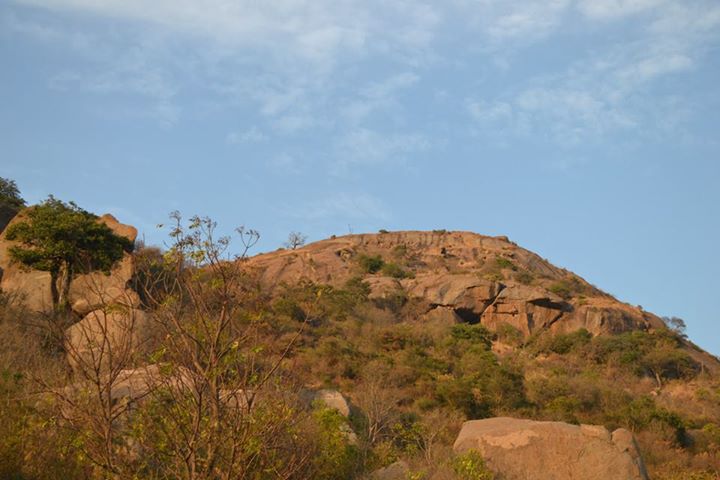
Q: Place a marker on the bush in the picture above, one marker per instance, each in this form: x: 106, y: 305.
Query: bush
x: 394, y: 270
x: 336, y: 458
x: 503, y: 263
x: 471, y: 466
x: 563, y: 343
x: 562, y: 289
x: 370, y: 264
x: 476, y: 334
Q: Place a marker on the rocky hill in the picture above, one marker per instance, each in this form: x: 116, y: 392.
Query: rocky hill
x: 475, y: 278
x: 430, y: 355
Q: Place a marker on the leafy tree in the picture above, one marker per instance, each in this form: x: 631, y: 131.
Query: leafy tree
x: 65, y: 240
x: 676, y: 324
x: 10, y: 201
x: 10, y: 195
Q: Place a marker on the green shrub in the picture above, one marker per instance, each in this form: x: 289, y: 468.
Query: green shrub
x: 642, y: 413
x: 503, y: 263
x: 563, y: 343
x: 370, y: 263
x: 290, y: 308
x: 509, y: 334
x: 476, y: 334
x: 394, y: 270
x: 562, y: 289
x: 358, y: 288
x: 336, y: 458
x: 471, y: 466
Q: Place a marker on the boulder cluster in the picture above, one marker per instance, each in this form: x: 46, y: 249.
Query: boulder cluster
x: 105, y: 306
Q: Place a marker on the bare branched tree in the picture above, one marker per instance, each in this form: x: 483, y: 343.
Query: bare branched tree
x: 101, y: 349
x: 295, y: 240
x: 216, y: 408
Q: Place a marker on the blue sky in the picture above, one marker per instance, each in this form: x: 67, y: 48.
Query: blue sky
x: 585, y: 130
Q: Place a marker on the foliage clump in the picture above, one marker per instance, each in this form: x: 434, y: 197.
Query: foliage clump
x: 65, y: 240
x: 471, y: 466
x: 370, y: 263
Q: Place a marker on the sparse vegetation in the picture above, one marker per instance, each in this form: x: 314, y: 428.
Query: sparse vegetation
x: 504, y: 263
x: 562, y: 289
x: 394, y: 270
x: 524, y: 277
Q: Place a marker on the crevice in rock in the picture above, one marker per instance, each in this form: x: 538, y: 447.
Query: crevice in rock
x: 467, y: 315
x: 493, y: 301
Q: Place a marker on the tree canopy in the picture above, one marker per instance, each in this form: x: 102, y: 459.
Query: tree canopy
x: 63, y: 239
x: 10, y: 195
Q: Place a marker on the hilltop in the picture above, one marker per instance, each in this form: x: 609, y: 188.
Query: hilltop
x: 481, y: 279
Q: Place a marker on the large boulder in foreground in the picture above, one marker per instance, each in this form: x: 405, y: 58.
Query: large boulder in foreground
x: 87, y: 292
x: 530, y: 450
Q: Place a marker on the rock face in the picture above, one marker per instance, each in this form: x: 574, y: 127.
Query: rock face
x: 106, y: 336
x: 527, y: 309
x: 87, y: 292
x: 528, y: 450
x: 466, y: 276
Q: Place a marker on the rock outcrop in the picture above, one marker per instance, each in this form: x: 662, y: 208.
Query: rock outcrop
x: 531, y: 450
x: 329, y: 398
x: 87, y: 292
x: 482, y: 279
x: 106, y: 336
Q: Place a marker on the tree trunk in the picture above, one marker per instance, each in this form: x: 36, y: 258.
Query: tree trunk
x: 64, y: 290
x: 54, y: 288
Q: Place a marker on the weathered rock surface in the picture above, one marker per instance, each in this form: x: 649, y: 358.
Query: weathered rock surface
x: 529, y: 450
x: 330, y: 398
x: 463, y: 292
x: 106, y: 336
x: 527, y: 309
x: 87, y: 292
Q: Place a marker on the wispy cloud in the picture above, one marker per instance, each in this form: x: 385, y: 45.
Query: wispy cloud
x: 342, y: 71
x: 612, y: 9
x: 369, y: 147
x: 605, y: 93
x: 378, y: 96
x: 251, y: 135
x: 343, y: 206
